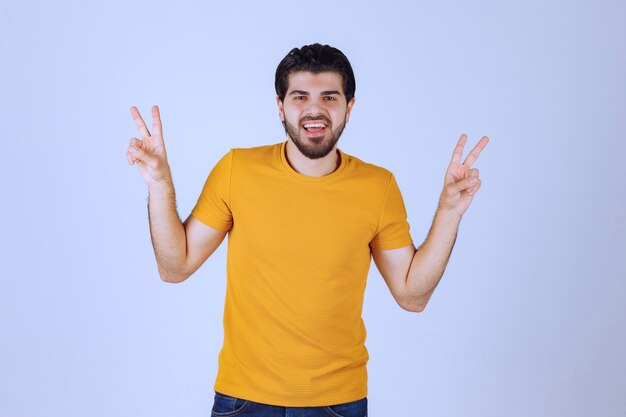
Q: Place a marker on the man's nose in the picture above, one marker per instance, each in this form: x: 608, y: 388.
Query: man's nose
x: 315, y: 106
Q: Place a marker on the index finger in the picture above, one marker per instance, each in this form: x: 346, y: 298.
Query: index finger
x: 476, y: 151
x: 141, y: 125
x: 156, y: 121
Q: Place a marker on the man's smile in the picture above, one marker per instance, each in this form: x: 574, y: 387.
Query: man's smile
x: 315, y: 127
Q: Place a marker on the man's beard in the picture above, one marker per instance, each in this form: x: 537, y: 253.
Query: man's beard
x: 319, y: 148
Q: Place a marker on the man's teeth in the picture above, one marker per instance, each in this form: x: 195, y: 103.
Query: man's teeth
x: 313, y: 125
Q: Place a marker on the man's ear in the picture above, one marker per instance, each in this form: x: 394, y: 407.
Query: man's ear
x: 349, y: 109
x: 281, y: 113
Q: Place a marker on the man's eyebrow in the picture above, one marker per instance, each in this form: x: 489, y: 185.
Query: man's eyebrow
x: 306, y: 93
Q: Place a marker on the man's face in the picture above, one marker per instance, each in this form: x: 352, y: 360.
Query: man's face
x: 314, y: 111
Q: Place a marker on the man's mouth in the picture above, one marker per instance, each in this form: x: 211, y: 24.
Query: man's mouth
x: 314, y: 127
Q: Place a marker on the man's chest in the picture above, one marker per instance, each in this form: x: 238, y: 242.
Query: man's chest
x: 290, y: 219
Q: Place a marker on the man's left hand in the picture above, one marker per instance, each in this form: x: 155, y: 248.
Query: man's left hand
x: 461, y: 182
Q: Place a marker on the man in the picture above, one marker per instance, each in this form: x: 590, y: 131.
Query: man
x: 304, y: 220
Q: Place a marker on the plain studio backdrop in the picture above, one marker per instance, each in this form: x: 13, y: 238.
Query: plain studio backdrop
x: 529, y: 318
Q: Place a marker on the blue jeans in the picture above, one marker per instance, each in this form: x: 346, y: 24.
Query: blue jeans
x: 227, y: 406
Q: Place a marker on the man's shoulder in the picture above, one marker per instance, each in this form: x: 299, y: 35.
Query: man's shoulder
x: 369, y: 169
x: 255, y: 152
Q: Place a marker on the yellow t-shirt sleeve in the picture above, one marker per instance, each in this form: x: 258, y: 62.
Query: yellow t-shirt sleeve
x: 393, y: 228
x: 213, y: 205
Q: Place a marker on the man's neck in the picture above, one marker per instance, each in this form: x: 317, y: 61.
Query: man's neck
x: 312, y: 167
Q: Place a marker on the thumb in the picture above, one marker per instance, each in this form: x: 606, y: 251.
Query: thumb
x: 140, y: 154
x: 463, y: 185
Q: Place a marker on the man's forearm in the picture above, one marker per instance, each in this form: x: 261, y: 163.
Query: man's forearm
x: 430, y: 260
x: 167, y: 231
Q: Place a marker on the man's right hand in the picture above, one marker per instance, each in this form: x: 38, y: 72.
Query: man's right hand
x: 149, y: 151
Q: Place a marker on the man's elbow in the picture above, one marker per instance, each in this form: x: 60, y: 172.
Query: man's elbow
x: 414, y: 308
x: 168, y: 279
x: 172, y: 278
x: 416, y: 305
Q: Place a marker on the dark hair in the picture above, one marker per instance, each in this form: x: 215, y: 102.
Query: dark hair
x: 315, y: 58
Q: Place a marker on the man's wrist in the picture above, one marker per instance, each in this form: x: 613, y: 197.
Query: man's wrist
x: 159, y: 188
x: 448, y: 215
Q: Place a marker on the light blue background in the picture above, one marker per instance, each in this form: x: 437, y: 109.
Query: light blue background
x: 529, y: 318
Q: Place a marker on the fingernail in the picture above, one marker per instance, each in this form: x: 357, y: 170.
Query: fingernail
x: 133, y: 150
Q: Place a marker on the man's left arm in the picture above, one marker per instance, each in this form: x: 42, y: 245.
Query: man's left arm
x: 413, y: 274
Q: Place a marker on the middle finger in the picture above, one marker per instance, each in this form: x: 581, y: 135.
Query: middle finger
x: 141, y: 125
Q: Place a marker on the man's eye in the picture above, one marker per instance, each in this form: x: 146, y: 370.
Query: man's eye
x: 299, y: 97
x: 330, y: 98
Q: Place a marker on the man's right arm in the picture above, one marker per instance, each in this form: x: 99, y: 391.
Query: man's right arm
x: 180, y: 249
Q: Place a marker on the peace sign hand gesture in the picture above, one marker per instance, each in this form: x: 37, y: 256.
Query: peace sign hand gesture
x: 461, y: 181
x: 149, y: 151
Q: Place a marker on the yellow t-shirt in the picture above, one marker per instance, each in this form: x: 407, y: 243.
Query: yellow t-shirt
x: 297, y: 265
